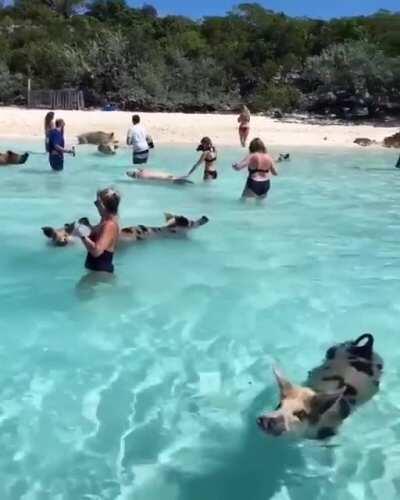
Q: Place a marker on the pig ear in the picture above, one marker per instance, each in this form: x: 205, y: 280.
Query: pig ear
x: 168, y: 216
x: 48, y: 231
x: 170, y: 219
x: 284, y: 385
x: 322, y: 402
x: 69, y: 228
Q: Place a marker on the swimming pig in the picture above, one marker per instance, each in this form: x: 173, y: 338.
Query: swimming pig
x: 283, y: 157
x: 63, y: 236
x: 348, y: 377
x: 175, y: 225
x: 108, y: 149
x: 96, y: 138
x: 156, y: 176
x: 11, y: 158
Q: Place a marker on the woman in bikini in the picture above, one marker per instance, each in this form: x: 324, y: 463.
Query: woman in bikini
x: 208, y: 157
x: 103, y: 238
x: 244, y: 125
x: 260, y: 167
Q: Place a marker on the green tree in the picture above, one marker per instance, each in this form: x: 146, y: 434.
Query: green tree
x: 10, y: 84
x: 62, y: 7
x: 131, y: 55
x: 108, y: 10
x: 355, y: 69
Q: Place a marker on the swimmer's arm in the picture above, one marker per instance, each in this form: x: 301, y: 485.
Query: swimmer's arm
x: 63, y: 150
x: 242, y: 164
x: 104, y: 242
x: 129, y: 138
x: 149, y: 141
x: 199, y: 162
x: 273, y: 169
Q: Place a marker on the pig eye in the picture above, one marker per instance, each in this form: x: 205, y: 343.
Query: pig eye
x: 301, y: 415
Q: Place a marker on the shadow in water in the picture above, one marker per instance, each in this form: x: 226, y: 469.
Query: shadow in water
x: 255, y: 471
x: 93, y: 282
x: 43, y: 171
x: 374, y: 169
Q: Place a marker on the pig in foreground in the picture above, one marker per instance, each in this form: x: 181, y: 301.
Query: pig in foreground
x: 348, y: 377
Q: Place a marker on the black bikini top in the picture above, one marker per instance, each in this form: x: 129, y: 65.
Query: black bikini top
x: 211, y: 160
x: 257, y: 170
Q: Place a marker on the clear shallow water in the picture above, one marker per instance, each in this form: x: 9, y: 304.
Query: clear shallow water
x: 149, y: 389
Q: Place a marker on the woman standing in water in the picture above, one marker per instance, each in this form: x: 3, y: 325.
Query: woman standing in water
x: 48, y: 127
x: 244, y: 125
x: 260, y: 166
x: 103, y: 238
x: 208, y: 157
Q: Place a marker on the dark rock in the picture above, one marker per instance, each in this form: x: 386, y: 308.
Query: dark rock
x: 363, y: 141
x: 392, y: 141
x: 277, y: 113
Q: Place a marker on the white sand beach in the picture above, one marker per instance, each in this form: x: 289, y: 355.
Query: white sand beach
x: 180, y: 128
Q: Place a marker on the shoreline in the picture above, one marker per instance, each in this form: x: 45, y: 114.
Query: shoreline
x: 184, y: 129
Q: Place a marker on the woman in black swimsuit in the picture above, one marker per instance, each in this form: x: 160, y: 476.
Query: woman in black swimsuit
x: 103, y: 239
x: 260, y: 167
x: 209, y: 157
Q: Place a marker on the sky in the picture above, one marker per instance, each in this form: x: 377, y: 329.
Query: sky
x: 310, y: 8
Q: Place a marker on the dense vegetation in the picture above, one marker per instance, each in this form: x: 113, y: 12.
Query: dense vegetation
x: 137, y: 59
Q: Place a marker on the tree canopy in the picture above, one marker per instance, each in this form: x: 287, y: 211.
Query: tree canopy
x: 135, y: 58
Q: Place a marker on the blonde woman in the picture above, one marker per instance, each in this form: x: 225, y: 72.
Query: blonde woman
x: 244, y: 125
x: 103, y: 238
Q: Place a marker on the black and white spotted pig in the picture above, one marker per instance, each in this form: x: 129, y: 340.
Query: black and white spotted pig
x: 175, y: 225
x: 348, y: 377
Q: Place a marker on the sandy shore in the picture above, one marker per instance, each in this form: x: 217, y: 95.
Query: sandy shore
x: 179, y: 128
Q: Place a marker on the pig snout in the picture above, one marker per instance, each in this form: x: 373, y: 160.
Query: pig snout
x: 62, y: 243
x: 272, y: 424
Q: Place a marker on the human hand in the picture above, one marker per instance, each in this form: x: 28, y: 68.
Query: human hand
x: 82, y: 230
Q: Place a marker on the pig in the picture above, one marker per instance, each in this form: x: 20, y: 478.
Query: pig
x: 348, y: 377
x: 11, y: 158
x: 96, y: 138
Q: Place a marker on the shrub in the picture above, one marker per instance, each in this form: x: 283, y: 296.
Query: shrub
x: 283, y: 96
x: 11, y: 85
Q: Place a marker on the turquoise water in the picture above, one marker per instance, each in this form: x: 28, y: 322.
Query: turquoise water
x: 149, y: 389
